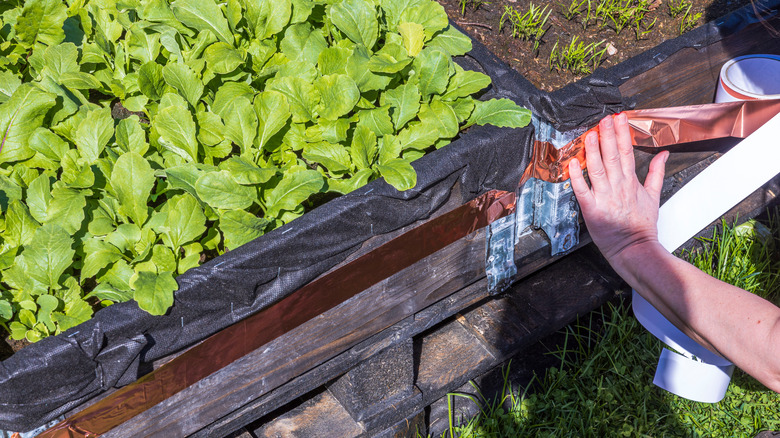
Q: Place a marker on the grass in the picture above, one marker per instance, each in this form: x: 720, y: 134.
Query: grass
x: 679, y: 7
x: 682, y: 8
x: 689, y: 21
x: 529, y: 26
x: 602, y: 387
x: 744, y: 256
x: 475, y: 4
x: 577, y: 57
x: 614, y: 14
x: 574, y: 8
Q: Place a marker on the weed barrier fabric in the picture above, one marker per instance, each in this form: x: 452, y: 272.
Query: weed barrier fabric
x: 116, y: 347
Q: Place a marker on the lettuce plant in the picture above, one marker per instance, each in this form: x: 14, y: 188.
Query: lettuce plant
x: 142, y: 137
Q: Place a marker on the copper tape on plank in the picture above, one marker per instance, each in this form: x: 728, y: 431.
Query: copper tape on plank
x: 317, y: 297
x: 660, y: 128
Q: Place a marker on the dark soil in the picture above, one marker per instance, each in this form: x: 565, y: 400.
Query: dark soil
x: 481, y: 21
x: 9, y: 346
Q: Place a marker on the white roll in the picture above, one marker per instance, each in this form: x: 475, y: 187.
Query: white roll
x: 696, y: 373
x: 749, y: 77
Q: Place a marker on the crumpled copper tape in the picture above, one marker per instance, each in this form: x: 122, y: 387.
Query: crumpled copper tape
x: 660, y: 128
x: 320, y: 295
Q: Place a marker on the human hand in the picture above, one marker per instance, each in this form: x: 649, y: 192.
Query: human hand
x: 618, y: 211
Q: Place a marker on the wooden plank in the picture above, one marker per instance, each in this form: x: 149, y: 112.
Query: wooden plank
x: 310, y: 380
x: 315, y: 341
x: 376, y: 384
x: 407, y: 427
x: 448, y: 357
x: 500, y: 325
x: 320, y: 416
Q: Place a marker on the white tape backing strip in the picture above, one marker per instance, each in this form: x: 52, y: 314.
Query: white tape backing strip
x: 697, y: 373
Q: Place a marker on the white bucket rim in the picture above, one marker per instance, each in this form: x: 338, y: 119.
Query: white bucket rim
x: 740, y: 93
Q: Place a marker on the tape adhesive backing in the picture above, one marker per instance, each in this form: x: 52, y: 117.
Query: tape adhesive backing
x: 697, y: 373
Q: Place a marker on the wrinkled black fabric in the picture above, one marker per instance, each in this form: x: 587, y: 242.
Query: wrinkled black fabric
x: 118, y: 345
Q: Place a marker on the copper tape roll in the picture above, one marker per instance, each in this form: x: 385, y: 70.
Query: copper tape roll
x: 319, y: 296
x: 660, y: 128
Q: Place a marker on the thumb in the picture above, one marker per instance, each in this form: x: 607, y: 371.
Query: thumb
x: 655, y: 175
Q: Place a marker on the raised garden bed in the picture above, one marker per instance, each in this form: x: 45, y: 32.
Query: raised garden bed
x: 241, y: 387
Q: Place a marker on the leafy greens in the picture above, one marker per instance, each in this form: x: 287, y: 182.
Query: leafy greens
x: 140, y: 137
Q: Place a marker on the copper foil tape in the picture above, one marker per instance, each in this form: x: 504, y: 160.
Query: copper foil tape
x: 660, y: 128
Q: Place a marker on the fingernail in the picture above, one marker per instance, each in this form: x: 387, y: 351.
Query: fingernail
x: 607, y: 121
x: 591, y: 138
x: 621, y: 118
x: 666, y: 157
x: 575, y: 163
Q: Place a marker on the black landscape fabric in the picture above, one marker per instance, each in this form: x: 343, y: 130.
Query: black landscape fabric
x: 51, y: 377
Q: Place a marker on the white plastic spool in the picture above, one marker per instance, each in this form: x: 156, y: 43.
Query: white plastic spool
x: 749, y: 77
x: 698, y: 374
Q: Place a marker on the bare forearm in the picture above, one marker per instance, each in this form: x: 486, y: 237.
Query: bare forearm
x: 735, y: 323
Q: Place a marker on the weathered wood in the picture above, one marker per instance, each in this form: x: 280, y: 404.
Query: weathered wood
x: 314, y: 342
x: 329, y: 370
x: 448, y: 356
x: 500, y: 325
x: 377, y: 384
x: 406, y: 428
x: 319, y: 416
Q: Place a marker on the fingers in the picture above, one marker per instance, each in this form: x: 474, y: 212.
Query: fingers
x: 596, y: 172
x: 655, y: 175
x: 579, y: 186
x: 610, y: 156
x: 625, y: 148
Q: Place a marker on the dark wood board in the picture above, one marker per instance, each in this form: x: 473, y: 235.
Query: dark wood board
x: 321, y: 416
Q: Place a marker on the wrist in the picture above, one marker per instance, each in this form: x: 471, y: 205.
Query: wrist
x: 633, y: 257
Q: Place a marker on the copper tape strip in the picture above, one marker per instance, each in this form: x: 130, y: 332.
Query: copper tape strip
x: 317, y: 297
x: 660, y: 128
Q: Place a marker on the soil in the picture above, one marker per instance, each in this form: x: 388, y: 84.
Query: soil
x: 481, y: 21
x: 9, y: 346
